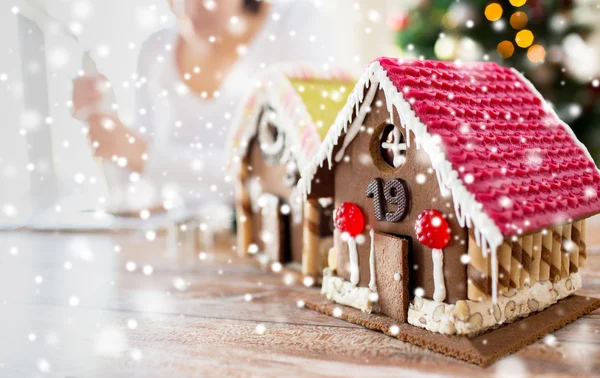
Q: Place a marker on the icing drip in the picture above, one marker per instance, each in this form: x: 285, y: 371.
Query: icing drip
x: 439, y: 292
x: 372, y: 284
x: 354, y: 272
x: 354, y: 128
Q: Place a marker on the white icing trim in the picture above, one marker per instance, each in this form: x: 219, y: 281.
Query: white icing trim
x: 354, y: 271
x: 372, y: 281
x: 471, y: 317
x: 439, y: 291
x: 345, y: 293
x: 357, y: 123
x: 468, y: 210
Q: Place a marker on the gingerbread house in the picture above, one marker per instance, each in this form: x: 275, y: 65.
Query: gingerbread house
x: 460, y: 198
x: 279, y: 126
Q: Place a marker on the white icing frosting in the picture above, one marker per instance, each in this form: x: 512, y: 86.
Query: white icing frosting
x: 439, y: 291
x: 468, y: 210
x: 396, y: 148
x: 372, y: 284
x: 357, y: 123
x: 471, y: 317
x: 354, y: 272
x: 325, y: 201
x: 343, y: 292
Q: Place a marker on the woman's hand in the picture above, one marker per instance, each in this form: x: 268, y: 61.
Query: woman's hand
x: 91, y: 97
x: 109, y: 137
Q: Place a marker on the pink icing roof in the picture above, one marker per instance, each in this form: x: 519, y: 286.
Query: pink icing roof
x: 522, y: 164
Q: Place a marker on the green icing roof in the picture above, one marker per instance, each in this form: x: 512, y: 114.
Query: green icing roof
x: 323, y: 100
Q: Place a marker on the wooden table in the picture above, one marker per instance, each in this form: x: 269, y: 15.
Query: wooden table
x: 116, y: 305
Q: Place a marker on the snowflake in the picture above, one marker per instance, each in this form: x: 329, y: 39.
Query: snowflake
x: 260, y: 329
x: 132, y: 323
x: 73, y: 301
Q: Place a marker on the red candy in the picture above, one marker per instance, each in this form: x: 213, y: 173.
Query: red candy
x: 432, y: 229
x: 348, y: 218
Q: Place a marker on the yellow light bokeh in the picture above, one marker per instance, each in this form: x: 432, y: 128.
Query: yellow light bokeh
x: 536, y: 53
x: 493, y: 12
x: 505, y: 49
x: 517, y: 3
x: 518, y: 20
x: 524, y: 38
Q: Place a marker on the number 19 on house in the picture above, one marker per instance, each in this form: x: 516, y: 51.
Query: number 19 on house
x: 393, y: 192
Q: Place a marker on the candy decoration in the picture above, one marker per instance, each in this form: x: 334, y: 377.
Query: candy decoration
x: 432, y: 231
x: 350, y: 221
x: 349, y: 218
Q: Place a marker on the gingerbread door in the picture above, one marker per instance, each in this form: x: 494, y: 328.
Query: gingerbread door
x: 391, y: 267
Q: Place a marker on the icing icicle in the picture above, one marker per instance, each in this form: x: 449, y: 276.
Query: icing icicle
x: 355, y: 126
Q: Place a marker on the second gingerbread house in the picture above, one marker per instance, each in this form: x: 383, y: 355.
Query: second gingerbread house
x: 278, y: 128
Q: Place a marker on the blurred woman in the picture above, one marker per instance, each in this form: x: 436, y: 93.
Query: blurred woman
x: 189, y: 81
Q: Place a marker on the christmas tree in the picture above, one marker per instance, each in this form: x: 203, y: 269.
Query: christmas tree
x: 556, y: 44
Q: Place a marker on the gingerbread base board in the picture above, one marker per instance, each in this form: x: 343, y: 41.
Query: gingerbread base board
x: 481, y: 350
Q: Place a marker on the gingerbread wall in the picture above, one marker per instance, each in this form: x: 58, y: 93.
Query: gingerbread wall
x: 351, y: 177
x: 272, y: 179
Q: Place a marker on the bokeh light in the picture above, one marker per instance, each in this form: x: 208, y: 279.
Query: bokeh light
x: 517, y: 3
x: 524, y: 38
x: 505, y: 49
x: 493, y: 11
x: 536, y: 53
x: 518, y: 20
x: 450, y: 20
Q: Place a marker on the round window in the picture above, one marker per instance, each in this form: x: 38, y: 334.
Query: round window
x: 270, y: 138
x: 392, y: 146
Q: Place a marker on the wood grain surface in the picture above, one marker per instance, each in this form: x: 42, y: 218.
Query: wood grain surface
x: 118, y: 305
